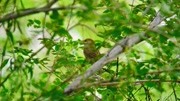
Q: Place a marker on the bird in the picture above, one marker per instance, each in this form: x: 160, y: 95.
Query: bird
x: 90, y: 51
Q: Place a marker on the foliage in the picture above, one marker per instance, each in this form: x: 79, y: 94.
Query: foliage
x: 41, y: 54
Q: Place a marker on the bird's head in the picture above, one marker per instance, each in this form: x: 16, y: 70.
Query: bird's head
x: 88, y: 42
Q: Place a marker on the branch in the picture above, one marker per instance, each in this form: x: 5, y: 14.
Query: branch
x: 137, y: 82
x: 7, y: 77
x: 50, y: 3
x: 116, y: 82
x: 165, y: 71
x: 25, y: 12
x: 113, y: 53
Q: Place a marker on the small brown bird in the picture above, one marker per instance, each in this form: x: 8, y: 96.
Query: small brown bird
x: 91, y: 53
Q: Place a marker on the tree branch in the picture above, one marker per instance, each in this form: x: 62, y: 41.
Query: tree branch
x: 25, y: 12
x: 137, y: 82
x: 116, y: 83
x: 50, y: 3
x: 113, y: 53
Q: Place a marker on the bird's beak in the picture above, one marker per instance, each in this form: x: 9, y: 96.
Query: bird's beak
x: 83, y: 42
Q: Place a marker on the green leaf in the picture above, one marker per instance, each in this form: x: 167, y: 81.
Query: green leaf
x: 20, y: 58
x: 37, y: 22
x: 30, y: 70
x: 63, y: 32
x: 106, y: 11
x: 10, y: 35
x: 54, y: 15
x: 57, y: 47
x: 4, y: 63
x: 4, y: 49
x: 30, y: 22
x: 150, y: 84
x: 36, y: 60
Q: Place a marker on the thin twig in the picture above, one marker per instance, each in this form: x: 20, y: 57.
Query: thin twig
x: 117, y: 83
x: 174, y: 91
x: 8, y: 76
x: 80, y: 24
x: 70, y: 15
